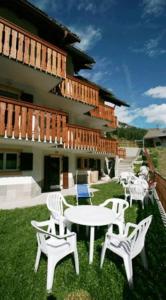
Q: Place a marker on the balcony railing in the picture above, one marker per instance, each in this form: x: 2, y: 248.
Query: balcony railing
x: 105, y: 112
x: 79, y: 90
x: 88, y: 139
x: 22, y: 46
x: 24, y: 121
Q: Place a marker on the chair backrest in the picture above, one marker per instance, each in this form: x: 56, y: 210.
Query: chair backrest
x: 118, y: 205
x: 142, y: 182
x: 82, y: 191
x: 137, y: 191
x: 55, y: 202
x: 137, y: 237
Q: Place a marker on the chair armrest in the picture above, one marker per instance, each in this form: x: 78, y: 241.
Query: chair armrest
x: 129, y: 225
x: 105, y: 202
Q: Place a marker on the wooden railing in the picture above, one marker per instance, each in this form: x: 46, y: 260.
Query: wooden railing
x: 20, y: 45
x: 24, y: 121
x: 106, y: 113
x: 88, y: 139
x: 122, y: 152
x: 19, y: 120
x: 161, y: 182
x: 79, y: 90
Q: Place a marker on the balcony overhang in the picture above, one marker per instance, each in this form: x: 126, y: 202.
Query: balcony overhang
x: 65, y: 104
x: 54, y: 148
x: 24, y: 77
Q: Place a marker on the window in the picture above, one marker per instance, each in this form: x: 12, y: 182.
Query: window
x: 9, y: 161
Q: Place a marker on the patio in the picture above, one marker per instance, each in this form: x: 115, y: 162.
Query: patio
x: 18, y: 252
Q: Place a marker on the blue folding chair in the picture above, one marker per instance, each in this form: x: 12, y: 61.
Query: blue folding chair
x: 82, y: 191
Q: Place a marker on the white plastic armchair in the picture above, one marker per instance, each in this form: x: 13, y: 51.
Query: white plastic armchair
x: 55, y: 204
x: 137, y: 192
x: 118, y: 206
x: 55, y: 248
x: 128, y: 246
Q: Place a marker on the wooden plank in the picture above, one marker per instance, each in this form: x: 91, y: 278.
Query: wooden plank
x: 13, y: 50
x: 49, y: 69
x: 20, y: 47
x: 6, y: 46
x: 48, y: 126
x: 58, y: 127
x: 32, y: 54
x: 54, y: 62
x: 53, y: 127
x: 38, y: 55
x: 36, y: 125
x: 2, y: 118
x: 23, y: 122
x: 1, y: 35
x: 16, y: 121
x: 42, y: 131
x: 27, y: 50
x: 43, y: 62
x: 29, y: 127
x: 59, y: 64
x: 9, y: 119
x: 63, y: 74
x: 64, y: 129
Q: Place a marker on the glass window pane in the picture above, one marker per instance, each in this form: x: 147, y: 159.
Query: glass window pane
x: 1, y: 161
x: 11, y: 161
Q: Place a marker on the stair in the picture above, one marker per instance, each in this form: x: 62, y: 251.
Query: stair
x: 125, y: 165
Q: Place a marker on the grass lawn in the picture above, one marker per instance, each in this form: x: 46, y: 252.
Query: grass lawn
x: 18, y: 251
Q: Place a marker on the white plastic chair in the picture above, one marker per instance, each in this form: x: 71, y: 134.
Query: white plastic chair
x: 118, y: 206
x: 137, y: 192
x: 128, y: 246
x: 55, y: 248
x: 55, y: 204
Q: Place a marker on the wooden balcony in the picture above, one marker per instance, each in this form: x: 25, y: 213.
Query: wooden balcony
x: 106, y: 113
x: 34, y: 123
x: 79, y: 90
x: 24, y: 47
x: 23, y: 121
x: 88, y: 139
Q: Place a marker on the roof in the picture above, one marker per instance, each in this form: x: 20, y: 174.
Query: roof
x: 107, y: 96
x: 81, y: 59
x: 37, y: 14
x: 155, y: 133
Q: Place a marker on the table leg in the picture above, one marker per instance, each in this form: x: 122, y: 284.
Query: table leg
x: 92, y: 236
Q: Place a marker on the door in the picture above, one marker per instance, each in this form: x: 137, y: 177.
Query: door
x: 51, y: 173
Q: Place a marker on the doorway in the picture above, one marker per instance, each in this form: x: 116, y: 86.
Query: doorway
x: 51, y: 173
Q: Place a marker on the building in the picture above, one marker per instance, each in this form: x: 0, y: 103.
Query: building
x: 52, y: 121
x: 156, y: 137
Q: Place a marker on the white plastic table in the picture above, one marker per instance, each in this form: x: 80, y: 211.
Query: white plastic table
x: 90, y: 215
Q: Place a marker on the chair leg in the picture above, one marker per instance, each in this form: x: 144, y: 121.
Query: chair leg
x: 50, y: 273
x: 103, y: 254
x: 37, y: 258
x: 76, y: 261
x: 129, y: 270
x: 131, y: 201
x: 144, y: 259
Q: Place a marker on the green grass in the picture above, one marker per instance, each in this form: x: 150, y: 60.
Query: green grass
x: 18, y: 252
x: 158, y: 156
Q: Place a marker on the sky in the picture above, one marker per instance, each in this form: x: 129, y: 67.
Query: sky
x: 127, y: 39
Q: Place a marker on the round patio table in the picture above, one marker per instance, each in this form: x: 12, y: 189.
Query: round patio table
x: 90, y: 215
